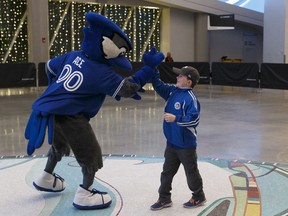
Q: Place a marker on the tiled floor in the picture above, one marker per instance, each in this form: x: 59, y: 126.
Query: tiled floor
x: 236, y: 123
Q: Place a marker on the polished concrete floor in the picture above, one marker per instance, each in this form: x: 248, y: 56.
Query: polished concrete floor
x: 236, y: 123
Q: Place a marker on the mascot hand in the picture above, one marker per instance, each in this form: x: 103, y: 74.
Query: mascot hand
x: 132, y: 79
x: 36, y: 129
x: 136, y: 96
x: 129, y: 88
x: 117, y: 97
x: 141, y: 90
x: 152, y: 58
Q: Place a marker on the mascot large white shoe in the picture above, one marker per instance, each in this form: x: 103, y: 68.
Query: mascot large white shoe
x: 49, y: 182
x: 78, y: 83
x: 86, y: 198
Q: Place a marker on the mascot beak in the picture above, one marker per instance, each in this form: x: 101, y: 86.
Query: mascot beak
x: 121, y: 62
x: 115, y: 49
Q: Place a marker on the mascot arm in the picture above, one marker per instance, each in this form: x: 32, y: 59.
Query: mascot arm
x: 111, y: 83
x: 128, y: 88
x: 135, y: 83
x: 53, y: 66
x: 151, y: 59
x: 50, y: 73
x: 144, y: 75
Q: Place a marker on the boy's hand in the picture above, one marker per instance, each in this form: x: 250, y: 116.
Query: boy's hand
x: 168, y: 117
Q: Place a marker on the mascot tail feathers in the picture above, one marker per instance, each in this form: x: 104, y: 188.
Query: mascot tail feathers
x: 36, y: 129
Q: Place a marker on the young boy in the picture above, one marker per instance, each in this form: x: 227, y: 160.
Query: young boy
x: 181, y: 117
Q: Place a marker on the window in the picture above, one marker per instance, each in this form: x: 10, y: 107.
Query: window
x: 256, y: 5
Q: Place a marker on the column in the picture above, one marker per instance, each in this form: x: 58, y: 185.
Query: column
x: 38, y: 31
x: 275, y: 44
x: 165, y: 39
x: 201, y: 38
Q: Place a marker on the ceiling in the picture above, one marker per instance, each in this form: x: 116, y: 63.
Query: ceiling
x: 217, y: 7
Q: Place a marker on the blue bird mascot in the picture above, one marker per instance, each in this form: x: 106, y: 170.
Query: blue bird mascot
x: 78, y: 84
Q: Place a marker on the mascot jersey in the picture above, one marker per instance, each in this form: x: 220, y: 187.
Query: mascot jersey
x: 75, y: 89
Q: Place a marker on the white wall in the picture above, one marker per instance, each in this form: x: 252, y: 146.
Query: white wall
x: 212, y: 45
x: 244, y: 42
x: 186, y: 44
x: 274, y: 31
x: 182, y: 37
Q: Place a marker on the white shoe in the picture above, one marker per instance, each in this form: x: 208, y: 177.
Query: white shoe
x: 91, y: 199
x: 49, y: 182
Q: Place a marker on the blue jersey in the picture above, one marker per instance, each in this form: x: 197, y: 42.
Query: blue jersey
x: 79, y: 85
x: 182, y: 103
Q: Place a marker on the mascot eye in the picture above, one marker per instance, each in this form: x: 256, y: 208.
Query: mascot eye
x: 111, y: 50
x: 122, y: 51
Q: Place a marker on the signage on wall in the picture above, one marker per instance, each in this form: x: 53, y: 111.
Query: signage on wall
x: 250, y: 41
x: 221, y: 22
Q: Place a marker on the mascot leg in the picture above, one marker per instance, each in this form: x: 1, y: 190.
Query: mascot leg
x: 48, y: 180
x: 87, y: 151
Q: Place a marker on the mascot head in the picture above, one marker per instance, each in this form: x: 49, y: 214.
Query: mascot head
x: 105, y: 42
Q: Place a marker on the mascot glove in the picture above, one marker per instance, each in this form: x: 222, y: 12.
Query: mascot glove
x: 36, y: 129
x: 152, y: 58
x: 135, y: 97
x: 132, y: 94
x: 132, y: 85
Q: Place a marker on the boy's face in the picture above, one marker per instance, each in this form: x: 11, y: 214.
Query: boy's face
x: 183, y: 81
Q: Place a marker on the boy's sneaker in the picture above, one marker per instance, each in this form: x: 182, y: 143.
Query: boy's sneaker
x: 193, y: 203
x: 161, y: 204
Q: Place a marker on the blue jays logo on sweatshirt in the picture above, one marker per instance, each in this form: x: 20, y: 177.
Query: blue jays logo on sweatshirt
x: 177, y: 105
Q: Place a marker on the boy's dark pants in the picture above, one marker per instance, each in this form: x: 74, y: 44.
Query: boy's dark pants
x: 173, y: 159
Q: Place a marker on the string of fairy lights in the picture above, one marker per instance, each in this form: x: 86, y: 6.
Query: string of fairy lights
x: 11, y: 15
x: 66, y: 22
